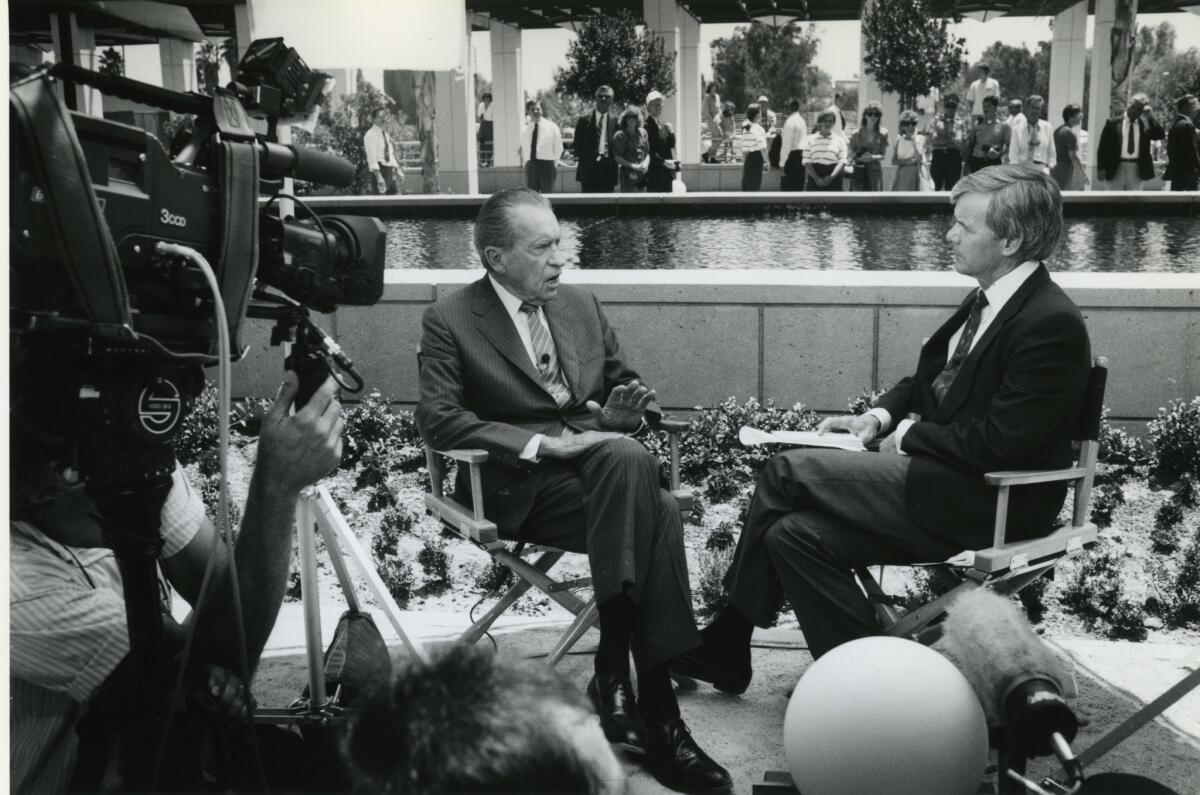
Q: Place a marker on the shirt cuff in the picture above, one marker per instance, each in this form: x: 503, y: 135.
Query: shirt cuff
x: 884, y: 416
x: 182, y: 514
x: 530, y: 451
x: 902, y: 429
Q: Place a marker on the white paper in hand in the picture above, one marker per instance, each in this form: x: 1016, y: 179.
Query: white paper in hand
x: 841, y: 441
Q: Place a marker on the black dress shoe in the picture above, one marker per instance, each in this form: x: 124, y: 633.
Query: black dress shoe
x: 612, y: 696
x: 679, y: 764
x: 709, y: 666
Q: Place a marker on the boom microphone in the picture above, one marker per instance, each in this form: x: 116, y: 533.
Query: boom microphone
x: 310, y: 165
x: 1018, y: 679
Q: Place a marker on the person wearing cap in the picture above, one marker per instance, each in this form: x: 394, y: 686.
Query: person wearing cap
x: 663, y: 164
x: 984, y: 86
x: 754, y: 151
x: 541, y: 148
x: 1032, y: 143
x: 839, y: 118
x: 946, y: 137
x: 766, y: 116
x: 1015, y: 117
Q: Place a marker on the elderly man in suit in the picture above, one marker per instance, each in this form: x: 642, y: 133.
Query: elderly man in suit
x: 1123, y: 159
x: 1183, y: 146
x: 596, y: 171
x: 529, y: 370
x: 998, y: 386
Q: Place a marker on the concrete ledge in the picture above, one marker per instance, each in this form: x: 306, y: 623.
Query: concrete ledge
x: 817, y: 337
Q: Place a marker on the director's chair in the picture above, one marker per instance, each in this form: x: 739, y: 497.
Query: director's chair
x: 473, y: 525
x: 1007, y: 567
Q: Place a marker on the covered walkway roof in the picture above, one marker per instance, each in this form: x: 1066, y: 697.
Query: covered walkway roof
x: 551, y: 13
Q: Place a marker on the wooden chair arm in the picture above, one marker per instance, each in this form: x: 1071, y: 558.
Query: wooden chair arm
x: 465, y: 456
x: 1026, y: 477
x: 456, y: 516
x: 1017, y: 555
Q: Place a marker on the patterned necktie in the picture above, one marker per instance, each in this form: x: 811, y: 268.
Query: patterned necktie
x: 387, y: 149
x: 603, y: 142
x: 546, y: 357
x: 533, y: 152
x: 941, y: 384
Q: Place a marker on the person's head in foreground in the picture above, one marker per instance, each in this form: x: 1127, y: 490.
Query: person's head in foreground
x: 472, y: 722
x: 990, y: 104
x: 1003, y: 216
x: 519, y: 242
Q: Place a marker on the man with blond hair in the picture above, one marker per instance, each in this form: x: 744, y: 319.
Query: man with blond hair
x: 998, y: 386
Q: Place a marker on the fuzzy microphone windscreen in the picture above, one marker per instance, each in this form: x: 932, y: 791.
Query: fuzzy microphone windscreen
x: 992, y: 643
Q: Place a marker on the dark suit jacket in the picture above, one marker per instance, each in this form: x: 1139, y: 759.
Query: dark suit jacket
x: 1108, y: 151
x: 587, y: 146
x: 480, y: 390
x: 662, y: 147
x: 1183, y: 151
x: 1014, y: 405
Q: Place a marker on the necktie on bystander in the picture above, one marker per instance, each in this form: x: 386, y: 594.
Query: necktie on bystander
x: 533, y: 145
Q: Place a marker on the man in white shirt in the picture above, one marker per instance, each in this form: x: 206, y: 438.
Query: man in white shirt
x: 541, y: 148
x: 1032, y: 143
x: 984, y: 86
x: 386, y: 174
x: 839, y: 118
x: 998, y: 386
x: 794, y: 135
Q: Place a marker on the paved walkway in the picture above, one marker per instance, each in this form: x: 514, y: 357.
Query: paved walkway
x: 745, y: 732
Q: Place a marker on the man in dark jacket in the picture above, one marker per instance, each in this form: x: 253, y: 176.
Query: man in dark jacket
x: 1123, y: 155
x: 998, y: 386
x: 596, y: 171
x: 663, y: 164
x: 1183, y: 146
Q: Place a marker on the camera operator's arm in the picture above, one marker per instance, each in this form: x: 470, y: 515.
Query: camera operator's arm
x: 293, y: 452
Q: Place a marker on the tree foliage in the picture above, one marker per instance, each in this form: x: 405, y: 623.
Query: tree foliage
x: 610, y: 50
x: 1018, y: 71
x: 777, y: 62
x: 1162, y: 72
x: 908, y: 50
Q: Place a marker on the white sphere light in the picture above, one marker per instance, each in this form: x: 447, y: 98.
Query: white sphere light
x: 887, y: 715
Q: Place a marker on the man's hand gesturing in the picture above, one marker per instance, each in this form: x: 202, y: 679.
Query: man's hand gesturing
x: 297, y: 450
x: 864, y: 426
x: 625, y: 406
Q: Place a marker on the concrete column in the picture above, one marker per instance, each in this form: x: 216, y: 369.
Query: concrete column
x: 508, y: 95
x: 1068, y: 54
x: 77, y: 45
x: 458, y: 162
x: 1101, y: 89
x: 243, y: 27
x: 178, y: 59
x: 680, y: 32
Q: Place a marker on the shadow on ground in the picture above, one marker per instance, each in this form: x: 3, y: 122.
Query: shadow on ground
x: 744, y: 733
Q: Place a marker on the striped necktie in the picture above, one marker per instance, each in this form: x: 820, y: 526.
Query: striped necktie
x: 546, y: 357
x: 944, y: 379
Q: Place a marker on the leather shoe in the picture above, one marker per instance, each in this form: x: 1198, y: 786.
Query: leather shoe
x: 612, y: 696
x: 678, y: 763
x: 709, y: 666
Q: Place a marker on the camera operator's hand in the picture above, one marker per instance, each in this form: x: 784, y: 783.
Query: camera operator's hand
x: 222, y: 693
x: 297, y: 450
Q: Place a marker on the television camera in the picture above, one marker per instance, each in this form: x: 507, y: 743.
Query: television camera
x: 114, y: 307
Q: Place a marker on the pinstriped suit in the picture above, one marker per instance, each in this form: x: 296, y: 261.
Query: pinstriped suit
x: 479, y: 389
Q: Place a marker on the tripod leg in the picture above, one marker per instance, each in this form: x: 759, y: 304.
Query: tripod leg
x: 334, y: 548
x: 311, y: 595
x: 331, y: 518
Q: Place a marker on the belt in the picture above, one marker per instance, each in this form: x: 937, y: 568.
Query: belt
x: 1039, y: 163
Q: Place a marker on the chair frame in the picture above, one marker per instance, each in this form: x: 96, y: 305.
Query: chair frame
x: 473, y: 525
x: 1007, y: 567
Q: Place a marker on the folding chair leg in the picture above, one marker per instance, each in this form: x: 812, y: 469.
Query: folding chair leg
x: 477, y: 630
x: 582, y: 623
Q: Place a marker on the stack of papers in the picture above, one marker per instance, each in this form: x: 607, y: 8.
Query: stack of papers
x: 842, y: 441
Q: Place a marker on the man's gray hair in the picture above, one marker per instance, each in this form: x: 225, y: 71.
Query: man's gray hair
x: 1023, y: 203
x: 493, y: 225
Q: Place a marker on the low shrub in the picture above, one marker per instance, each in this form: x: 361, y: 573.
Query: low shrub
x: 722, y: 486
x: 1105, y: 500
x: 1177, y: 599
x: 864, y: 401
x: 1175, y: 437
x: 394, y: 523
x: 495, y: 578
x: 1165, y: 535
x: 1186, y: 491
x: 713, y: 563
x: 1118, y: 448
x: 381, y: 499
x: 1033, y: 598
x: 1096, y: 593
x: 721, y: 538
x: 372, y: 426
x: 435, y: 564
x: 398, y: 577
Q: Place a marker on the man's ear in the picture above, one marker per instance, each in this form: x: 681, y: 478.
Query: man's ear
x: 495, y: 258
x: 1011, y: 245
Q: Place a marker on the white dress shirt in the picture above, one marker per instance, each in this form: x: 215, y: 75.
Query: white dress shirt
x: 550, y: 145
x: 997, y: 295
x: 374, y: 144
x: 1019, y: 150
x: 795, y: 133
x: 989, y: 87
